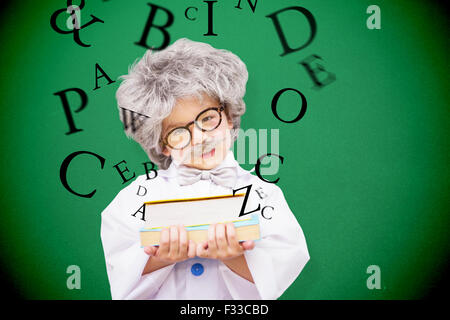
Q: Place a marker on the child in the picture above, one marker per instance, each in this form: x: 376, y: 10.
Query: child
x: 189, y: 98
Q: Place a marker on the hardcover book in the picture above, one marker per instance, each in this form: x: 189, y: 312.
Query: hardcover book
x: 196, y: 214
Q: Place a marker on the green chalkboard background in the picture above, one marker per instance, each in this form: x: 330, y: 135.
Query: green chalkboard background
x: 365, y: 171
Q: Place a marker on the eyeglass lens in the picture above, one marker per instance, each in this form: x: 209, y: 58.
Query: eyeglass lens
x: 208, y: 120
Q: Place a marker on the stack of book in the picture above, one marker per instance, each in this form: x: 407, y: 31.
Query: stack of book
x: 196, y: 214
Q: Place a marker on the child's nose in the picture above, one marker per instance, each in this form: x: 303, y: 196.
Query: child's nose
x: 197, y: 136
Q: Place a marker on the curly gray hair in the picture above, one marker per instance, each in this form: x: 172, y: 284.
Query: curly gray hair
x: 184, y: 69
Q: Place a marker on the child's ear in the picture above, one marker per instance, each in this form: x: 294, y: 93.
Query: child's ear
x: 230, y: 124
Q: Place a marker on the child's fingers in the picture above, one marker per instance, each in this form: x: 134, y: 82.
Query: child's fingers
x: 173, y: 251
x: 192, y: 249
x: 202, y: 252
x: 248, y: 245
x: 183, y: 240
x: 150, y: 250
x: 212, y: 245
x: 221, y: 238
x: 164, y: 242
x: 232, y: 238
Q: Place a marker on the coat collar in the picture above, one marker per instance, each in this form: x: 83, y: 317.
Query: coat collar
x: 229, y: 161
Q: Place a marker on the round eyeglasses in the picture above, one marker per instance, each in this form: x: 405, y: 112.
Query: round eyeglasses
x: 207, y: 120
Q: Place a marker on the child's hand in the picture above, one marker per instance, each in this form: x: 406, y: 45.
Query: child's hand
x: 173, y: 247
x: 222, y: 243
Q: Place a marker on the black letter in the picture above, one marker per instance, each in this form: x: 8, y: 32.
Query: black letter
x: 63, y: 172
x: 258, y: 164
x: 186, y: 13
x: 262, y: 212
x: 249, y: 187
x: 121, y: 172
x: 313, y: 72
x: 311, y: 21
x: 135, y: 121
x: 275, y: 102
x: 65, y: 103
x: 76, y: 27
x: 261, y: 195
x: 97, y: 67
x: 145, y: 191
x: 253, y: 6
x: 149, y: 24
x: 139, y: 210
x: 210, y: 18
x: 152, y: 169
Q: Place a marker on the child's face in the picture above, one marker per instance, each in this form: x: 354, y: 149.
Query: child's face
x: 206, y: 150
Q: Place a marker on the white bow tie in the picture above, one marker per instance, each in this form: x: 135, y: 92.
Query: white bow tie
x: 225, y: 176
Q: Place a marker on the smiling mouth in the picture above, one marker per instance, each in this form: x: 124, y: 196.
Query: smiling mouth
x: 209, y: 154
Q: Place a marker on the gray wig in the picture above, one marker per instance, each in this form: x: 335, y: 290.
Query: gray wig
x: 186, y: 68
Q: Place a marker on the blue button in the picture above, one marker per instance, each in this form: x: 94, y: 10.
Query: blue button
x: 197, y: 269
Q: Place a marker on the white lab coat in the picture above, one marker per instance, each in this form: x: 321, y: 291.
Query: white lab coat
x: 275, y: 262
